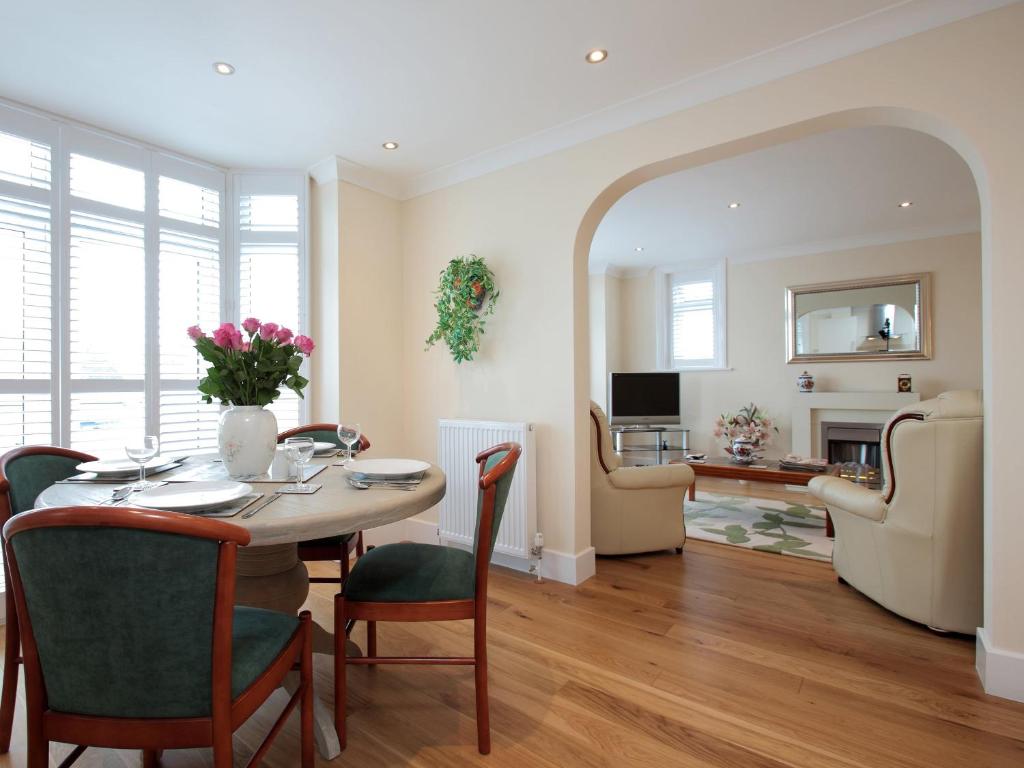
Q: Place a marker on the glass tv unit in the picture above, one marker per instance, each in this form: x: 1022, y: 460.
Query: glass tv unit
x: 636, y: 399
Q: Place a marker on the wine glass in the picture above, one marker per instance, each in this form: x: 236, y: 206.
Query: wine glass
x: 141, y: 451
x: 349, y: 435
x: 299, y: 450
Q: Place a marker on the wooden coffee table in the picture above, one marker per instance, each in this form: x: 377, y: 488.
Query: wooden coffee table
x: 762, y: 472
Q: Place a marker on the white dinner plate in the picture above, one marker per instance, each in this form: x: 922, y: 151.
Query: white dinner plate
x: 387, y: 469
x: 320, y: 448
x: 123, y: 467
x: 183, y: 497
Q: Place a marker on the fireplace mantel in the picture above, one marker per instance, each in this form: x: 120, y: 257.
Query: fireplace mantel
x: 809, y: 408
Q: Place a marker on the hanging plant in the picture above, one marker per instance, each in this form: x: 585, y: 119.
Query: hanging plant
x: 465, y: 296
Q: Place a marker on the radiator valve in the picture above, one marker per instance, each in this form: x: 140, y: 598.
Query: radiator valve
x: 537, y: 555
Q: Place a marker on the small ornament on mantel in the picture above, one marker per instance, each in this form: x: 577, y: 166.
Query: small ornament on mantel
x: 805, y: 382
x: 904, y: 383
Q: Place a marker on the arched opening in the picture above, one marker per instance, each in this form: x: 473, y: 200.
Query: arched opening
x: 891, y: 117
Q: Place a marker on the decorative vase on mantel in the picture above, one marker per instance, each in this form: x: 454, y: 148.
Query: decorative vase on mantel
x: 246, y: 373
x: 247, y: 440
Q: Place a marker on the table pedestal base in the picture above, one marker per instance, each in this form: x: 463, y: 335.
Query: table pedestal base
x: 274, y: 578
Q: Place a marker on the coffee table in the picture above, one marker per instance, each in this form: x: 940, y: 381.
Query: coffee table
x: 761, y: 472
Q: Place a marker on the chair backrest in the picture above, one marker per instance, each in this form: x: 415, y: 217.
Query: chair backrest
x: 325, y: 433
x: 27, y: 471
x: 125, y: 612
x: 497, y: 467
x: 603, y: 458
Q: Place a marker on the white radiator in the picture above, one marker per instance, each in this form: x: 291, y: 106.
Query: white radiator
x: 458, y: 443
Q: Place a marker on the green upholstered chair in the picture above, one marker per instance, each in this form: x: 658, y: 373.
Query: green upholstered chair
x: 427, y: 582
x: 132, y: 640
x: 331, y: 547
x: 24, y: 474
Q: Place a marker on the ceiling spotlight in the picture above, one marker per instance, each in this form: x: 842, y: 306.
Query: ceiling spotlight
x: 390, y: 145
x: 639, y: 249
x: 906, y: 203
x: 223, y: 68
x: 734, y: 205
x: 596, y: 56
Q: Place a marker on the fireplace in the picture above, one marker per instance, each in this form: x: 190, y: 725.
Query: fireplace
x: 843, y: 441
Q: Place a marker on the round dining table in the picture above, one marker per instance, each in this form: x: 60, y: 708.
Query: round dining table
x: 269, y: 572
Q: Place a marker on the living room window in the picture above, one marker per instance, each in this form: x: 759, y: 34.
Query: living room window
x: 109, y: 250
x: 694, y: 318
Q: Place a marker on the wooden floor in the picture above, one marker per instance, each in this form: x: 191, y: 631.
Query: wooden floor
x: 719, y: 657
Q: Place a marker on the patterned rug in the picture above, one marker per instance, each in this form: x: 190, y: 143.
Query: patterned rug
x: 766, y: 525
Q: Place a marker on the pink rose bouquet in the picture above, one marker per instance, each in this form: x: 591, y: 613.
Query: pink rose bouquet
x: 249, y: 366
x: 749, y: 422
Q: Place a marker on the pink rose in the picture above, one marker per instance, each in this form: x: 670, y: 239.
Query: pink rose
x: 284, y: 336
x: 305, y: 345
x: 195, y: 333
x: 267, y: 331
x: 227, y: 337
x: 246, y: 346
x: 251, y: 325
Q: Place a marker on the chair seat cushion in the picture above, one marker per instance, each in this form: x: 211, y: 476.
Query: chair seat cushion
x: 405, y: 573
x: 258, y: 637
x: 327, y: 541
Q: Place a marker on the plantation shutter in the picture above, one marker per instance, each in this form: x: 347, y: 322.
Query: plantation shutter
x: 26, y: 306
x: 270, y: 267
x: 693, y: 322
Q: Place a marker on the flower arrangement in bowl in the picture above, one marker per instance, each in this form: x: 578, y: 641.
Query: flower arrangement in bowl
x: 745, y: 432
x: 248, y: 367
x: 465, y: 296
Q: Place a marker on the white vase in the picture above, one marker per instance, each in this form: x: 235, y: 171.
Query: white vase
x: 247, y: 439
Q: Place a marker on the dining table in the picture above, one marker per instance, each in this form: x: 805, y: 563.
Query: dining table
x: 269, y: 573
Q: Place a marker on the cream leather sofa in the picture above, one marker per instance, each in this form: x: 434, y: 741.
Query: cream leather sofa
x: 915, y: 547
x: 633, y: 509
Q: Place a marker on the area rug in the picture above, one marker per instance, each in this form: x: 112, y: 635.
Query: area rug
x: 766, y: 525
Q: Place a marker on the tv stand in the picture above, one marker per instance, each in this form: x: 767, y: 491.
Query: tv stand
x: 664, y: 442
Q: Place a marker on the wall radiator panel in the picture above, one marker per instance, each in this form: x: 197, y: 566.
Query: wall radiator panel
x: 458, y: 443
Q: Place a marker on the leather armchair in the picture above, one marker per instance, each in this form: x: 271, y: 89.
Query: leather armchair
x: 633, y: 509
x: 915, y: 547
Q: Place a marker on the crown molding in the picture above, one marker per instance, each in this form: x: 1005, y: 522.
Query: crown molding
x: 336, y: 168
x: 886, y: 25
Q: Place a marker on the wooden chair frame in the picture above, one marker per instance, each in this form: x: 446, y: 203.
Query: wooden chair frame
x: 12, y: 642
x: 309, y: 552
x: 437, y: 610
x: 152, y: 735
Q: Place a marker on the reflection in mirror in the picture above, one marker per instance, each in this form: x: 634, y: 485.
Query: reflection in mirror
x: 875, y: 319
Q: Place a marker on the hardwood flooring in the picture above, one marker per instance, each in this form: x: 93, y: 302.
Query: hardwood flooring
x: 719, y: 657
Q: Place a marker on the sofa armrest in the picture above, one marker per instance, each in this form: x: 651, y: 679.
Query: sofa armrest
x: 849, y: 497
x: 656, y: 476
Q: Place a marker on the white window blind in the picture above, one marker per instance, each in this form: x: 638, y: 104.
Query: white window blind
x: 271, y: 268
x: 26, y: 343
x: 696, y: 319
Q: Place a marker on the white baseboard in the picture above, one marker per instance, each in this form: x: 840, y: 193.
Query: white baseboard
x: 1001, y: 672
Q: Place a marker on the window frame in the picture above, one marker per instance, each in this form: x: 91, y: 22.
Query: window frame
x: 692, y: 272
x: 66, y: 137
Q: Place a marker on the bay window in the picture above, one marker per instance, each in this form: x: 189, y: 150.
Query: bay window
x: 692, y: 324
x: 109, y: 250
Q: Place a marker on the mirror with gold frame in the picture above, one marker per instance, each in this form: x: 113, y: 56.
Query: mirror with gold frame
x: 886, y: 318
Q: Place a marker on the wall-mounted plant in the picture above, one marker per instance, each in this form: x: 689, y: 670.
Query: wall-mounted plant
x: 465, y: 296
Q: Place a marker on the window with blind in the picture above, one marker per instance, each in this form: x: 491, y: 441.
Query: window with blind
x: 94, y: 303
x: 695, y: 318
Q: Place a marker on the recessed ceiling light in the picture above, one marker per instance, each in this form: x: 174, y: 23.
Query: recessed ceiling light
x: 596, y: 56
x: 734, y: 205
x: 390, y: 145
x: 639, y: 249
x: 223, y: 68
x: 906, y: 203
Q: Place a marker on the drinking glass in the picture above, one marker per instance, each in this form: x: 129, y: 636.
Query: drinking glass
x: 299, y: 450
x: 141, y: 451
x: 349, y: 435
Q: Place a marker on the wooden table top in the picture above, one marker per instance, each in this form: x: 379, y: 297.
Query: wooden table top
x: 769, y: 472
x: 337, y: 508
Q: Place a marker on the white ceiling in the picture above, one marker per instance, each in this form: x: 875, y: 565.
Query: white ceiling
x: 465, y: 85
x: 836, y: 190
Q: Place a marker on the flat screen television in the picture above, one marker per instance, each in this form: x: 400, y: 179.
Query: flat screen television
x: 643, y: 398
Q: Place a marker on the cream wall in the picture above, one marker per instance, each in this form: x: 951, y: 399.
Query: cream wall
x: 606, y: 327
x: 756, y: 337
x: 534, y: 223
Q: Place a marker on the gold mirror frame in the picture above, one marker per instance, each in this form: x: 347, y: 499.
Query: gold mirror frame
x: 922, y: 279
